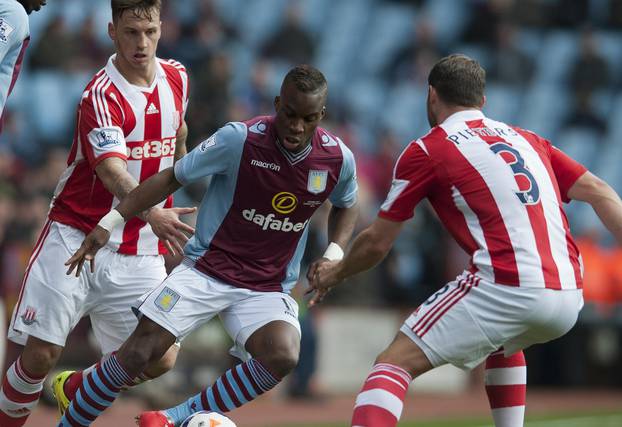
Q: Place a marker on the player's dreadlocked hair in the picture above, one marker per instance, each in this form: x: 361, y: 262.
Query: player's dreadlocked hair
x: 306, y: 78
x: 140, y: 8
x: 459, y: 80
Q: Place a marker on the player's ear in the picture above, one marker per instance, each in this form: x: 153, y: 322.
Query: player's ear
x: 111, y: 31
x: 483, y: 102
x: 323, y: 112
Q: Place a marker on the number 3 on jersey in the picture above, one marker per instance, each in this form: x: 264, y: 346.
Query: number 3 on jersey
x: 528, y: 191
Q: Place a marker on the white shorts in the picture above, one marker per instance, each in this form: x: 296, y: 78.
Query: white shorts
x: 51, y: 303
x: 189, y: 298
x: 468, y: 319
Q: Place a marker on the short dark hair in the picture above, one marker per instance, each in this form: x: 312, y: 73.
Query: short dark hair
x: 458, y: 80
x: 306, y: 78
x: 138, y: 7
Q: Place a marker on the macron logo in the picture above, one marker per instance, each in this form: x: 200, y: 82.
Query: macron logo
x: 152, y: 109
x: 266, y: 165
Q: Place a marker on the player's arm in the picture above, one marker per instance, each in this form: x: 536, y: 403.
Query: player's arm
x: 113, y: 173
x: 149, y: 193
x: 341, y: 222
x: 412, y: 180
x: 180, y: 143
x: 212, y: 156
x: 343, y: 212
x: 369, y: 248
x: 603, y: 199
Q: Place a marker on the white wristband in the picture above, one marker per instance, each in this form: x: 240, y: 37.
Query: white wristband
x: 111, y: 220
x: 333, y: 252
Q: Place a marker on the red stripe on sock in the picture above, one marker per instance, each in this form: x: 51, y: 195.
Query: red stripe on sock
x: 6, y: 421
x: 17, y: 396
x: 391, y: 374
x: 247, y: 372
x: 73, y: 422
x: 83, y: 412
x: 373, y: 416
x: 230, y: 392
x: 384, y: 384
x: 90, y: 400
x: 204, y: 401
x: 238, y: 380
x: 221, y: 405
x: 102, y: 376
x: 96, y: 389
x: 504, y: 396
x: 496, y: 361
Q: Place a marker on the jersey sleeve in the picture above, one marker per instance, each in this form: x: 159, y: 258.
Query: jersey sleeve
x: 101, y: 127
x: 186, y: 91
x: 566, y: 170
x: 213, y: 156
x: 344, y: 194
x: 13, y: 31
x: 413, y: 177
x: 14, y: 27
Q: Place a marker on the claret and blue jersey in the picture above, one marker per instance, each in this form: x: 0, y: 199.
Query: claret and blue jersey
x: 253, y: 221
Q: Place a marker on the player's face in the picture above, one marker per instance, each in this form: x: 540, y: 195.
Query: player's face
x: 31, y: 5
x: 297, y: 116
x: 136, y: 38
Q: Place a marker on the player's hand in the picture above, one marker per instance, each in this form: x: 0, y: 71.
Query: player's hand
x: 313, y: 268
x: 93, y: 242
x: 166, y: 224
x: 325, y: 277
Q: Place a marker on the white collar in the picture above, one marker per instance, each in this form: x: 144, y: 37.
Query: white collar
x: 122, y: 83
x: 464, y: 116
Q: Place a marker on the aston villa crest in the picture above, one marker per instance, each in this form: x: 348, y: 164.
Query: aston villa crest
x: 167, y: 299
x: 316, y: 183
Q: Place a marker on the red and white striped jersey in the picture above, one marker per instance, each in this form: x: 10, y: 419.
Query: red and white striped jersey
x: 137, y: 124
x: 498, y: 190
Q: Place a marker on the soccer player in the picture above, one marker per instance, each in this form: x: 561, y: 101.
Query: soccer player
x: 269, y: 175
x: 14, y: 38
x: 499, y: 191
x: 129, y: 126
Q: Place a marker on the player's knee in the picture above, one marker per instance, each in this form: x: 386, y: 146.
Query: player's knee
x: 414, y: 364
x: 39, y: 358
x: 281, y: 361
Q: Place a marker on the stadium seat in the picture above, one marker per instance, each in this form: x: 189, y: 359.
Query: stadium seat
x: 405, y: 113
x: 503, y: 103
x: 543, y: 109
x: 391, y: 27
x: 559, y: 49
x: 451, y: 16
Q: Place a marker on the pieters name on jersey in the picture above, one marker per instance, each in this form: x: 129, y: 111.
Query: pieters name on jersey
x: 269, y: 221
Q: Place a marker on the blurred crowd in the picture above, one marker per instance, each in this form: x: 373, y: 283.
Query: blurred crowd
x: 553, y: 66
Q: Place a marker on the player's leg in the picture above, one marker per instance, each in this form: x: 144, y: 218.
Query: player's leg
x: 381, y: 399
x: 440, y: 331
x: 265, y: 328
x: 554, y: 314
x: 23, y: 381
x: 506, y: 386
x: 66, y: 384
x: 119, y: 282
x: 101, y: 386
x: 49, y: 306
